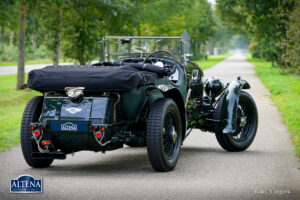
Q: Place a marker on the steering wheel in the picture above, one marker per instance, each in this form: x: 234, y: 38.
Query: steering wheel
x: 169, y: 71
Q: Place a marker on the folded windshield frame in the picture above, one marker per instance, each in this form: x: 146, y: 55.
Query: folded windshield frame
x: 111, y: 51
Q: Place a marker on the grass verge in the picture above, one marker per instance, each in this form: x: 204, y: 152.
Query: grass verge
x: 12, y: 104
x: 285, y: 93
x: 211, y: 61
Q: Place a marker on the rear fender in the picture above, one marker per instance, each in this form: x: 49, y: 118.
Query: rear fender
x: 177, y: 97
x: 174, y: 94
x: 230, y: 104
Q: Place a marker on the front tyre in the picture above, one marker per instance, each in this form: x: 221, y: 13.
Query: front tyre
x: 164, y: 135
x: 247, y: 121
x: 31, y: 114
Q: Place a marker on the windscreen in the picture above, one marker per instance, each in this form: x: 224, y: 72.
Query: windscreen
x: 116, y: 49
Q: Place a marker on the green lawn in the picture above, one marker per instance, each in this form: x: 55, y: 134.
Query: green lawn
x: 12, y: 103
x: 211, y: 61
x: 285, y: 93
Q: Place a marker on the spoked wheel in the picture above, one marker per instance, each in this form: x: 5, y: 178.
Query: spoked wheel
x: 247, y: 120
x: 170, y: 141
x: 31, y: 114
x: 164, y: 134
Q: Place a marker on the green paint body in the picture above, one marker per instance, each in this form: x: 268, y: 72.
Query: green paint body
x: 99, y: 110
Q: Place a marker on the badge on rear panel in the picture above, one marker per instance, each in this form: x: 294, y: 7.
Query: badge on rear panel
x: 63, y: 126
x: 68, y: 127
x: 73, y: 110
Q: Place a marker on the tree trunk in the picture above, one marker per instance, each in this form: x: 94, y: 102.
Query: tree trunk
x: 21, y: 44
x: 11, y: 38
x: 205, y: 50
x: 212, y: 46
x: 139, y: 30
x: 139, y: 33
x: 56, y: 49
x: 57, y: 38
x: 2, y: 33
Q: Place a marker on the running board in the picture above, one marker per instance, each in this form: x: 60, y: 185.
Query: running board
x: 48, y: 155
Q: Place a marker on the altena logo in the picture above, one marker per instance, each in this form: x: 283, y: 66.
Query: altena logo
x: 68, y: 127
x: 26, y: 184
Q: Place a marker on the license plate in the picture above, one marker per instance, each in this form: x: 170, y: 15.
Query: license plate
x: 66, y: 126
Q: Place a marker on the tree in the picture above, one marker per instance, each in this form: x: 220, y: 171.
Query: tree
x: 86, y: 22
x: 171, y: 18
x: 6, y: 16
x: 51, y: 18
x: 222, y: 38
x: 266, y: 22
x: 21, y: 43
x: 72, y: 27
x: 200, y: 24
x: 291, y: 45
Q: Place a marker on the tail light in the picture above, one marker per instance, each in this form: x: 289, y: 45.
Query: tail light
x: 98, y: 134
x: 41, y: 127
x: 37, y: 132
x: 31, y: 127
x: 93, y: 128
x: 102, y: 128
x: 46, y: 142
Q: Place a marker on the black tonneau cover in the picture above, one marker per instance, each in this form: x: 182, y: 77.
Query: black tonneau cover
x: 93, y: 78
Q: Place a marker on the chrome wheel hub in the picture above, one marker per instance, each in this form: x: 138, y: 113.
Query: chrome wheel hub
x: 243, y: 121
x: 173, y: 135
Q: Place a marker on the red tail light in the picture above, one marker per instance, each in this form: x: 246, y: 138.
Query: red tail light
x: 41, y: 127
x: 98, y: 134
x: 31, y: 127
x: 36, y: 132
x: 93, y: 128
x: 102, y: 128
x: 46, y: 142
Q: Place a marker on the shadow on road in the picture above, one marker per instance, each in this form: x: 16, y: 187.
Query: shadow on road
x: 219, y: 151
x: 134, y: 161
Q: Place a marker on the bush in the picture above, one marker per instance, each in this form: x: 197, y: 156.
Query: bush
x: 42, y: 52
x: 254, y: 49
x: 291, y: 44
x: 198, y: 56
x: 10, y: 53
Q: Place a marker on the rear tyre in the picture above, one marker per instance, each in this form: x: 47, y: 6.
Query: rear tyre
x: 31, y: 114
x: 247, y: 121
x: 164, y: 135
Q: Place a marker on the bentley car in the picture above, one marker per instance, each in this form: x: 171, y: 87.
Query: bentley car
x: 143, y: 92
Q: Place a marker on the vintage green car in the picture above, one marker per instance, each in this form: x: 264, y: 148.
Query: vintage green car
x: 143, y: 92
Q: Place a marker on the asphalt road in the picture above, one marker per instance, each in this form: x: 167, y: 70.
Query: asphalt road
x: 267, y: 170
x: 6, y: 70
